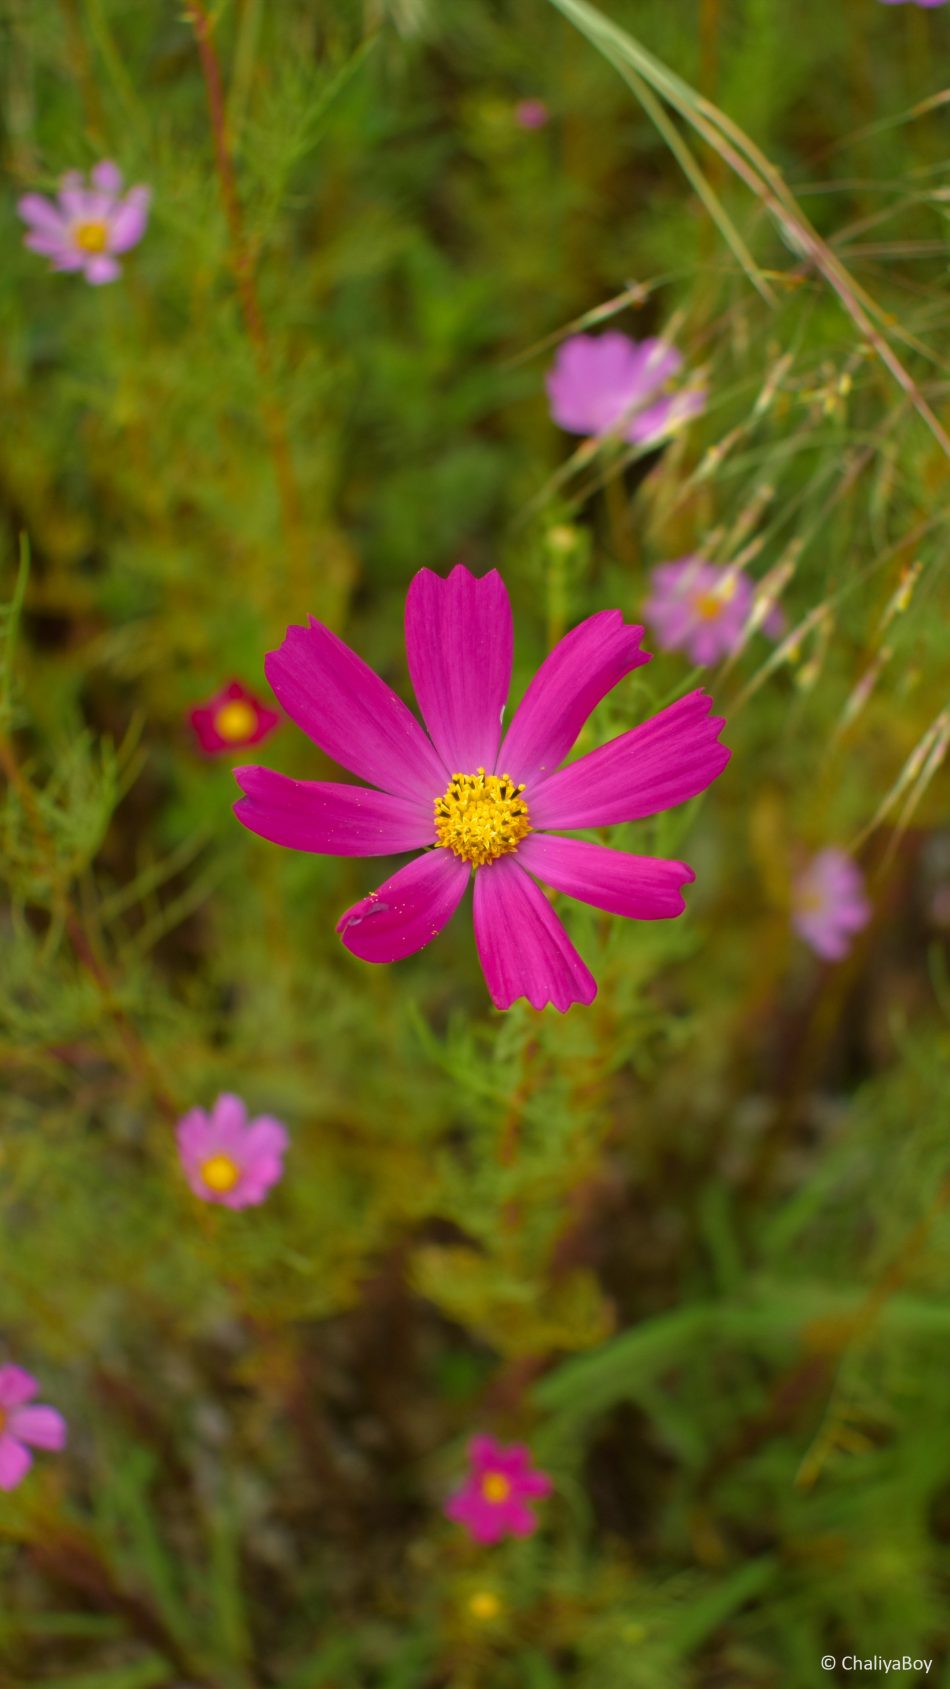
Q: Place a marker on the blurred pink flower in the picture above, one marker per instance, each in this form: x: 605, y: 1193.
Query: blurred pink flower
x: 493, y: 1501
x: 232, y: 720
x: 702, y: 608
x: 607, y: 384
x: 24, y: 1422
x: 87, y: 227
x: 531, y: 114
x: 484, y: 800
x: 829, y: 905
x: 228, y: 1159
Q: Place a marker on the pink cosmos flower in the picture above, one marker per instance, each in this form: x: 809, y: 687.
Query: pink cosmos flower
x: 608, y: 384
x: 829, y: 904
x: 702, y: 608
x: 87, y: 227
x: 493, y: 1501
x: 472, y: 798
x: 531, y: 114
x: 232, y: 720
x: 227, y: 1158
x: 24, y: 1423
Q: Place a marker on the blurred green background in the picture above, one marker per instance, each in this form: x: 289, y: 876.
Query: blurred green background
x: 692, y: 1243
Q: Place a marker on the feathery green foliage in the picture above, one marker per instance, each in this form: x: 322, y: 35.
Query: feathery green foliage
x: 691, y: 1243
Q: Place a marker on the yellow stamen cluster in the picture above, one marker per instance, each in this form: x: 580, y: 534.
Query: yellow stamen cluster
x: 481, y: 817
x: 220, y: 1174
x: 709, y: 605
x: 496, y: 1488
x: 91, y: 237
x: 484, y: 1605
x: 235, y: 719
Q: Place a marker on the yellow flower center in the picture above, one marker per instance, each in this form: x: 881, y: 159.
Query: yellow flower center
x: 495, y: 1488
x: 91, y: 237
x: 3, y: 1420
x: 481, y: 817
x: 220, y: 1174
x: 484, y: 1604
x: 709, y: 605
x: 236, y: 719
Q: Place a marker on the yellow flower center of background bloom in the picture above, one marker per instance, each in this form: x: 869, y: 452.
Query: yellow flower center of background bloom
x: 236, y: 719
x: 481, y: 817
x: 484, y: 1604
x: 709, y: 605
x: 220, y: 1173
x: 91, y: 237
x: 3, y: 1420
x: 495, y: 1487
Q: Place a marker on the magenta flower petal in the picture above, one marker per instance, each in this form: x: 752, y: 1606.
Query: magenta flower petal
x: 42, y: 215
x: 604, y: 384
x: 344, y: 707
x: 323, y: 816
x: 459, y: 644
x: 522, y: 946
x: 408, y: 910
x: 580, y: 671
x: 107, y: 177
x: 16, y: 1386
x: 669, y: 758
x: 15, y: 1461
x: 643, y: 888
x: 665, y: 415
x: 128, y: 221
x: 21, y: 1424
x: 102, y: 269
x: 41, y: 1426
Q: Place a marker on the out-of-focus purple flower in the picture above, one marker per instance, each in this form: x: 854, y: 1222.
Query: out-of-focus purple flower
x: 88, y: 226
x: 608, y: 384
x: 702, y: 608
x: 829, y: 904
x: 531, y: 114
x: 226, y: 1157
x: 478, y: 803
x: 24, y: 1424
x: 493, y: 1501
x: 231, y: 720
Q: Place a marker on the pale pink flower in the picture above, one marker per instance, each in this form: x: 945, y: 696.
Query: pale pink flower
x: 829, y: 904
x: 24, y: 1424
x: 226, y: 1157
x: 609, y: 384
x: 702, y: 608
x: 87, y: 227
x: 494, y: 1501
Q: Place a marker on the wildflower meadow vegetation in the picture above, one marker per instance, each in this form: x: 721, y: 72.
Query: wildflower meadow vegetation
x: 475, y: 844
